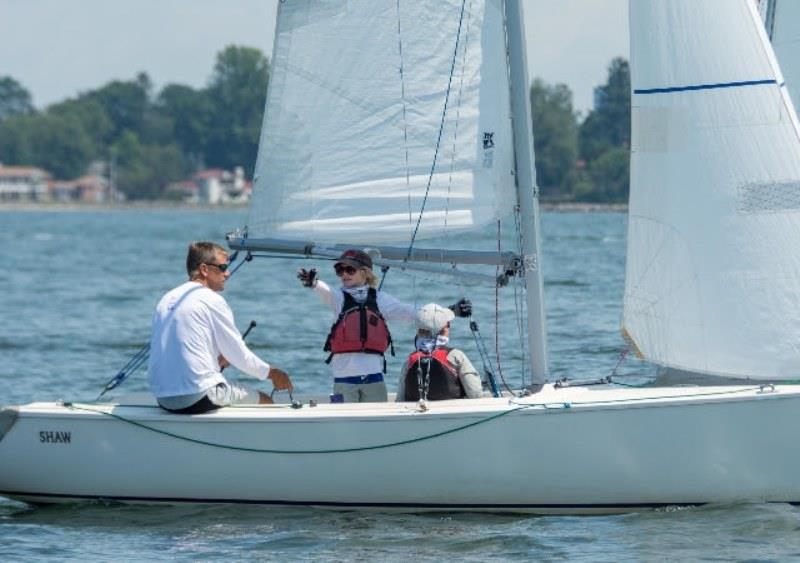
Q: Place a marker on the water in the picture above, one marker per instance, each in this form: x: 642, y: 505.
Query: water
x: 78, y: 292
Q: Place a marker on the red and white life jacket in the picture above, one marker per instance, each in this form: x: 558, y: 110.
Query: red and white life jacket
x: 359, y: 328
x: 442, y: 377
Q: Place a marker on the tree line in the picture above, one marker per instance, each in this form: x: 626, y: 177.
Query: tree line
x: 153, y: 139
x: 158, y: 138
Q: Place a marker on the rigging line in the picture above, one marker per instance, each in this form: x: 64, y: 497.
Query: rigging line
x: 497, y: 313
x: 441, y: 129
x: 458, y: 119
x: 622, y: 355
x: 405, y: 122
x: 497, y: 321
x: 120, y: 418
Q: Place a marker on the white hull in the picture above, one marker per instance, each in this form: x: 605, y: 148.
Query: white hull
x: 610, y: 450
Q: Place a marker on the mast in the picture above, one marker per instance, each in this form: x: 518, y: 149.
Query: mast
x: 527, y: 192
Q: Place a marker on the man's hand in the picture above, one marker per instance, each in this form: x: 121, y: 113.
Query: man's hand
x: 280, y: 380
x: 223, y: 363
x: 462, y: 308
x: 307, y: 277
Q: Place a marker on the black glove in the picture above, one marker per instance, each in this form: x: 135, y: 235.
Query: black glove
x: 462, y: 308
x: 307, y: 277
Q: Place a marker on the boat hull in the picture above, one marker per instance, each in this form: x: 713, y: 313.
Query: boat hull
x: 574, y: 451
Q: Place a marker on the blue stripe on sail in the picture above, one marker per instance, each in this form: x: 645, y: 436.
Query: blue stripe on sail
x: 706, y: 86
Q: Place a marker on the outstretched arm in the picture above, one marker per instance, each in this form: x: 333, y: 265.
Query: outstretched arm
x: 328, y: 295
x: 395, y: 310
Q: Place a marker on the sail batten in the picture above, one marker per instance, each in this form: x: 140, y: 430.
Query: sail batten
x: 377, y: 109
x: 713, y: 268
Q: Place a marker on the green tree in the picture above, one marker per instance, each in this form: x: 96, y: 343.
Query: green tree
x: 555, y: 138
x: 125, y: 103
x: 605, y: 138
x: 14, y: 98
x: 92, y: 117
x: 15, y: 140
x: 236, y: 92
x: 144, y: 170
x: 607, y: 177
x: 190, y: 113
x: 609, y: 123
x: 59, y: 144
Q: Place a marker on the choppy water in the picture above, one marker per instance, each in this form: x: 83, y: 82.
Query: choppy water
x: 78, y: 290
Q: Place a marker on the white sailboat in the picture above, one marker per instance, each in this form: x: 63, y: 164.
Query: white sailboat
x: 711, y: 276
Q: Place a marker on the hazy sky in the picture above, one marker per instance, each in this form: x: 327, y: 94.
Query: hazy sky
x: 57, y: 48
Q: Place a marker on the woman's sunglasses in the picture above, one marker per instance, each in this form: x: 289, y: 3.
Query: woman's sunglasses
x: 341, y: 270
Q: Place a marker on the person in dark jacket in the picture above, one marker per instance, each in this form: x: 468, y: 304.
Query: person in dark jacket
x: 435, y: 371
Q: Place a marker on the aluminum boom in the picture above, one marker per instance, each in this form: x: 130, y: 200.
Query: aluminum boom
x: 395, y: 254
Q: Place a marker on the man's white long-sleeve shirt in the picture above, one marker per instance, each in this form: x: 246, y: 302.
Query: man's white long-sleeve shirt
x: 192, y: 326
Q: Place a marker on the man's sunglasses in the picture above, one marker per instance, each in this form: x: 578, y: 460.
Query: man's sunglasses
x: 341, y: 270
x: 221, y: 267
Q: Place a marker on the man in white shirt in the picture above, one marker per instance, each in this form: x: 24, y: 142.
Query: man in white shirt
x: 194, y: 337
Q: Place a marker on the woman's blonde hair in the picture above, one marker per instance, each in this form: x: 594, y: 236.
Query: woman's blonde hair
x: 372, y: 279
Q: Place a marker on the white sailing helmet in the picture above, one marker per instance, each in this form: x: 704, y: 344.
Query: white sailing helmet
x: 433, y: 317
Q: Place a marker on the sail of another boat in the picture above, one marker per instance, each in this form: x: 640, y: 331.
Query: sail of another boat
x: 713, y: 269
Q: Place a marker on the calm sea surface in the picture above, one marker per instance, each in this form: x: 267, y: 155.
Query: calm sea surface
x: 78, y: 289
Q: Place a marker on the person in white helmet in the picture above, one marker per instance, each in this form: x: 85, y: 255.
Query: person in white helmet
x: 435, y: 371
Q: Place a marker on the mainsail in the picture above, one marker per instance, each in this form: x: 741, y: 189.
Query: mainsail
x: 713, y: 272
x: 377, y: 108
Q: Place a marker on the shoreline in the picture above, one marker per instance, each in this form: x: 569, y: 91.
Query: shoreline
x: 29, y: 206
x: 547, y: 207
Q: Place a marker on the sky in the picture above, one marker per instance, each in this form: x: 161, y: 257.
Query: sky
x: 58, y: 48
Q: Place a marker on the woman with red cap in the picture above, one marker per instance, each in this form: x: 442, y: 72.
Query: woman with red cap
x: 359, y: 337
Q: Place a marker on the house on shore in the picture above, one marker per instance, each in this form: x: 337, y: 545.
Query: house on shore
x: 24, y: 183
x: 212, y: 187
x: 91, y: 188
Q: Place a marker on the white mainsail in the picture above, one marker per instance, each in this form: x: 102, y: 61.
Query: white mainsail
x: 782, y: 18
x: 354, y: 122
x: 713, y: 272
